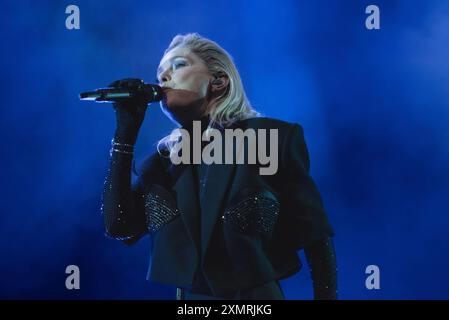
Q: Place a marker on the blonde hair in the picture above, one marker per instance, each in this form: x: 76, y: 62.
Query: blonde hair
x: 232, y: 105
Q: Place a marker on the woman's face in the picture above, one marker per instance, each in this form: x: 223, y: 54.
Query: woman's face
x: 185, y: 80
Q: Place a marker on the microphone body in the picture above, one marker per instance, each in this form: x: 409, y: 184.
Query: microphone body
x: 139, y: 89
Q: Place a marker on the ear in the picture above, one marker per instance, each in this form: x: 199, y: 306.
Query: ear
x: 219, y: 82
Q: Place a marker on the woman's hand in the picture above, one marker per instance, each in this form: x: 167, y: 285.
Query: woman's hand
x: 129, y: 112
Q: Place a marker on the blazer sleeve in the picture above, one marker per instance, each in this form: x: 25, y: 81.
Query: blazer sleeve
x: 302, y: 217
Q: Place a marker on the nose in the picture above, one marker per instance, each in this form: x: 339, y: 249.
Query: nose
x: 165, y: 76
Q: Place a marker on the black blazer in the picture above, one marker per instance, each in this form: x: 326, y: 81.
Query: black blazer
x: 247, y: 228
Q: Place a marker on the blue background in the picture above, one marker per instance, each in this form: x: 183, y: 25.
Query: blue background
x: 373, y: 104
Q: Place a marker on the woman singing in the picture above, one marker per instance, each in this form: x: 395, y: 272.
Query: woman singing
x: 220, y: 230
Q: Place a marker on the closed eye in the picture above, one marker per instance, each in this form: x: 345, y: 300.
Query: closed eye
x: 179, y: 64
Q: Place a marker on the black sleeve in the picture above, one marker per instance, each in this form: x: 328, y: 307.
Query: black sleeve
x: 123, y: 202
x: 302, y: 216
x: 323, y: 268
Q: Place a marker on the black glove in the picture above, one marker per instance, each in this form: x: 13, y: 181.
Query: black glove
x: 129, y: 112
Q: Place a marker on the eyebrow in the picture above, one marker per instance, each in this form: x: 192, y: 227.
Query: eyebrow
x: 159, y: 70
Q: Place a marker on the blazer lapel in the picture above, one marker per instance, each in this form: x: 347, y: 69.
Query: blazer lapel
x: 185, y: 189
x: 217, y: 187
x: 218, y: 180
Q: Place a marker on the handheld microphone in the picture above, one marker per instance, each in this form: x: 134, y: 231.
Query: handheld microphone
x: 125, y: 89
